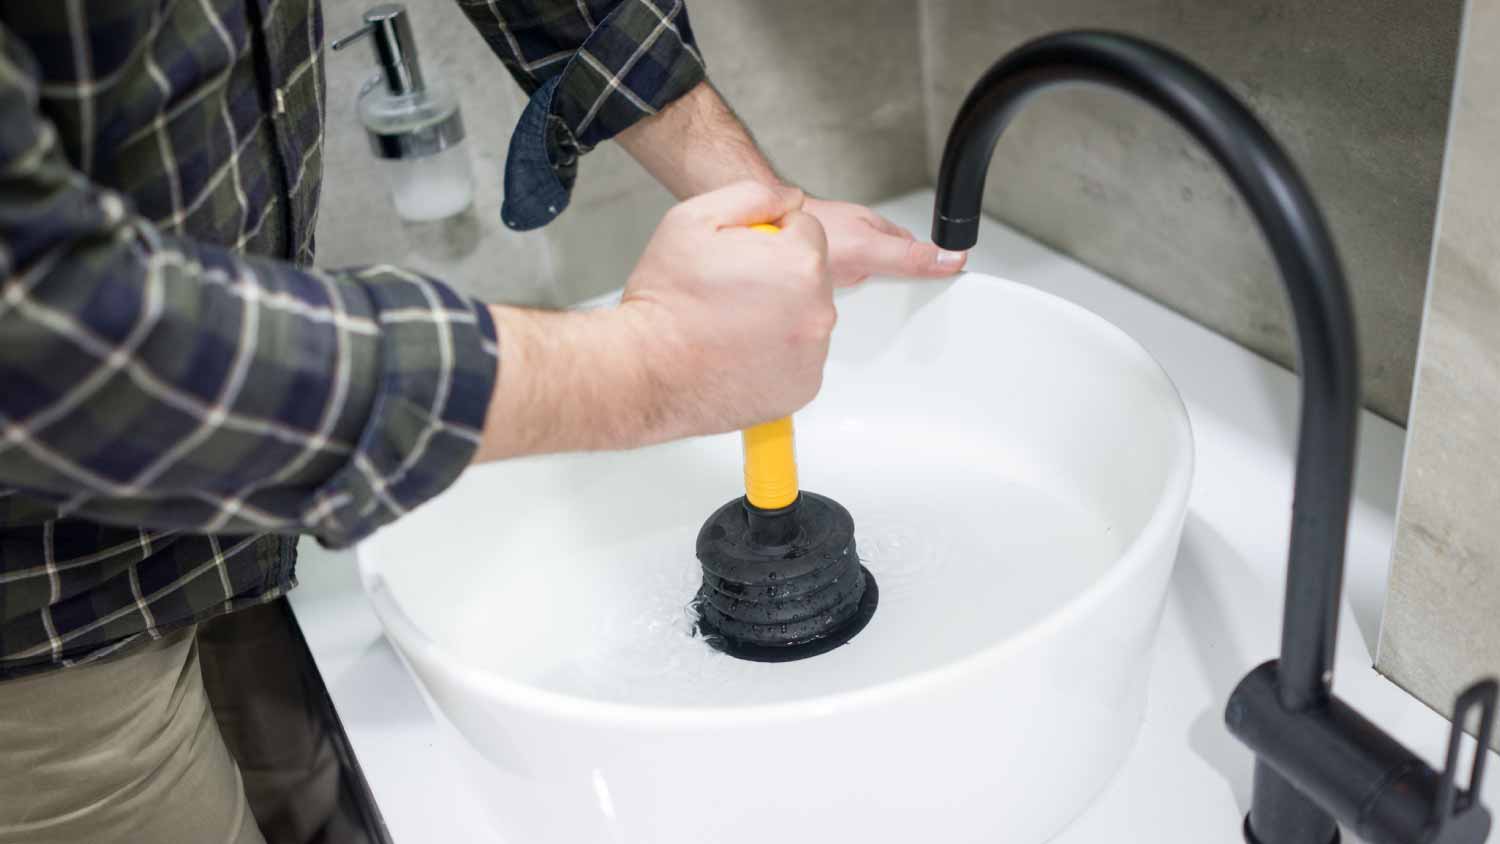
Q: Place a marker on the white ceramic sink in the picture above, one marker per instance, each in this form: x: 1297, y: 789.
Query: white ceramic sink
x: 1018, y: 471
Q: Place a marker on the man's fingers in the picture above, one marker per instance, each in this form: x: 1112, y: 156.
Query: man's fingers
x: 744, y: 204
x: 803, y: 226
x: 882, y: 224
x: 898, y: 256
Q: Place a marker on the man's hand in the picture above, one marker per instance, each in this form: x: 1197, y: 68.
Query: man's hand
x: 735, y: 323
x: 862, y: 243
x: 697, y: 144
x: 721, y: 327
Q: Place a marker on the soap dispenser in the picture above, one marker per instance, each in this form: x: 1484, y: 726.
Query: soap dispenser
x: 412, y: 120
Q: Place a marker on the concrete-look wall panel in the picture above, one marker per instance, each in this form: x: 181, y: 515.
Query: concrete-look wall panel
x: 1441, y: 628
x: 1358, y: 92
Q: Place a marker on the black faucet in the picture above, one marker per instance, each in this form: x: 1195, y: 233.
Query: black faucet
x: 1318, y: 762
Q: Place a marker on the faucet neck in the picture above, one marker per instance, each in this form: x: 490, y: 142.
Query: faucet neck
x: 1304, y: 253
x: 1284, y: 710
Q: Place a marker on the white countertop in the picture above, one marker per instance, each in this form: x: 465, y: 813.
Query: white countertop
x: 1187, y: 779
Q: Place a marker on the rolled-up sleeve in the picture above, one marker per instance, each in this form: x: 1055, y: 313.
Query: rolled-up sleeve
x: 592, y: 68
x: 155, y: 381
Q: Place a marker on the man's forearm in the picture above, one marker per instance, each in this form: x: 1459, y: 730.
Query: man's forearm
x: 697, y: 144
x: 567, y: 381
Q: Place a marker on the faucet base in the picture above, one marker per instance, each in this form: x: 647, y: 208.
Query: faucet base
x: 1251, y: 839
x: 1283, y: 815
x: 1326, y: 763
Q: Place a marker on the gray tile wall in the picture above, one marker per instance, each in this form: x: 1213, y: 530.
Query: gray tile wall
x: 1441, y: 627
x: 1357, y: 90
x: 832, y: 90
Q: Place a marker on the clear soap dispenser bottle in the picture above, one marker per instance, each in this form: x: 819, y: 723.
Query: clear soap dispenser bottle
x: 413, y: 123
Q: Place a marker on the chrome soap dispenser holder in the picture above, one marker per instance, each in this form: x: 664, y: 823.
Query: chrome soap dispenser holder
x: 412, y: 121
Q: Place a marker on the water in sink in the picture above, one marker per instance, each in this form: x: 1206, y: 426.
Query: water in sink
x: 993, y: 557
x: 1018, y: 472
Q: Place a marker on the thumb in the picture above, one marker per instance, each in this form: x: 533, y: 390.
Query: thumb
x: 887, y: 254
x: 744, y: 204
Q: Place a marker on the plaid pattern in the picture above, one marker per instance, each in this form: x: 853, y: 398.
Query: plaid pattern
x: 179, y: 390
x: 618, y: 60
x: 592, y: 68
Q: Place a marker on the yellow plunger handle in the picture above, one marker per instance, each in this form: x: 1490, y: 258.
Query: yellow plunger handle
x: 770, y: 455
x: 770, y: 464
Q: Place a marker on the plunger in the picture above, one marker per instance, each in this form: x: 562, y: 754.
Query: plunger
x: 782, y: 578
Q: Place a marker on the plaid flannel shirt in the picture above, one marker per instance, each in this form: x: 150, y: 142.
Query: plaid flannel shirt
x: 181, y: 391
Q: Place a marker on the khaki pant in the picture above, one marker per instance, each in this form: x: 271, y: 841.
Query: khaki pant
x: 120, y: 751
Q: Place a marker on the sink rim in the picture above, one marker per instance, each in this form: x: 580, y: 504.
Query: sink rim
x: 553, y: 705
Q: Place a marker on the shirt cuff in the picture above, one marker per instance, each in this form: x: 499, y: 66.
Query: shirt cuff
x: 438, y: 370
x: 641, y: 57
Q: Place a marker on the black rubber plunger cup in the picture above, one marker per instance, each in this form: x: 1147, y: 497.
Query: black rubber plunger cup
x: 785, y: 584
x: 781, y: 574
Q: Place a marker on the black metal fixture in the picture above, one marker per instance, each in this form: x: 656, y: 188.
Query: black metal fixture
x: 1319, y: 763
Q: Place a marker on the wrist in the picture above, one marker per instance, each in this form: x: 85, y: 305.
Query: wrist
x: 637, y: 347
x: 696, y: 145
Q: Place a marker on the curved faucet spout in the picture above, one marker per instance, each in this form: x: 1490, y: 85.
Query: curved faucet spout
x: 1304, y: 253
x: 1283, y: 710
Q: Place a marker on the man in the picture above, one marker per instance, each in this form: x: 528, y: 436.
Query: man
x: 182, y: 391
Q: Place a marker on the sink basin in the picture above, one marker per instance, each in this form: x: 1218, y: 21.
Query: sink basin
x: 1018, y: 472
